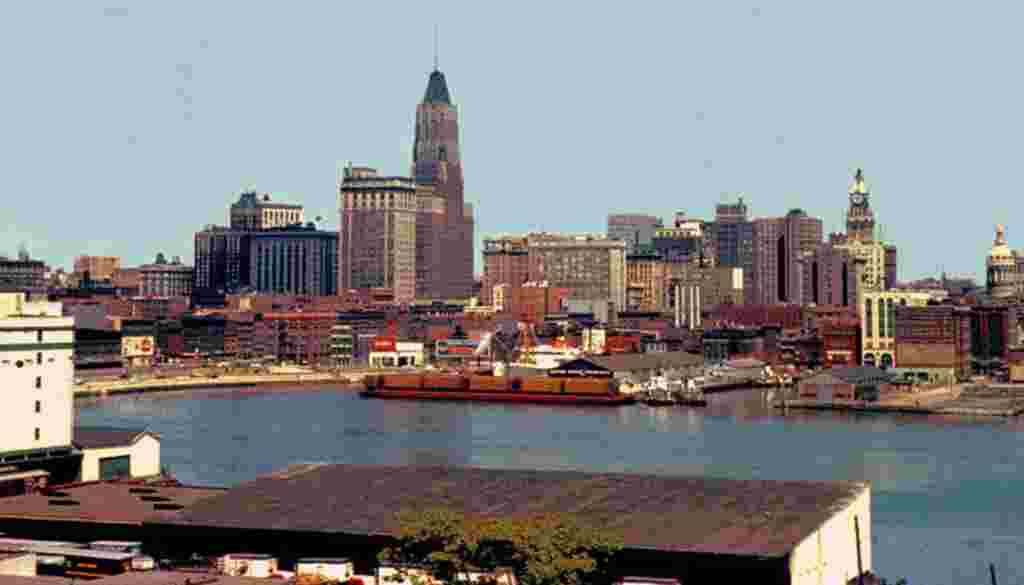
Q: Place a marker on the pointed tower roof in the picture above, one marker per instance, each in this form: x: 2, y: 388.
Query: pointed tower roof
x: 858, y: 183
x: 437, y: 90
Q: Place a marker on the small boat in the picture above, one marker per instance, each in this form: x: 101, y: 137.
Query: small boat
x: 660, y: 391
x: 658, y: 398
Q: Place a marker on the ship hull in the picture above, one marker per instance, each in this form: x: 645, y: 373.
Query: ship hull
x: 678, y: 402
x: 521, y: 397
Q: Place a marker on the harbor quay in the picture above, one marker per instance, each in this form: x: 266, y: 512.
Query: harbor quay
x: 685, y: 529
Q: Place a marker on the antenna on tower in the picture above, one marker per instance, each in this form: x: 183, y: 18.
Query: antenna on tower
x: 437, y: 51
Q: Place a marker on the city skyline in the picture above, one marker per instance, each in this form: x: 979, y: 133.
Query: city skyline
x: 186, y: 121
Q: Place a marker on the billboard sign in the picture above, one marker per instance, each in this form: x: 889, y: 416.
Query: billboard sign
x: 139, y: 346
x: 455, y: 348
x: 384, y: 344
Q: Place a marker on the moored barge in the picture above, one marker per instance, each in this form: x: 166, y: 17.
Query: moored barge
x: 488, y: 388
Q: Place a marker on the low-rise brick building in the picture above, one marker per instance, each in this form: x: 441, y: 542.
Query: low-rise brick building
x: 933, y: 343
x: 840, y: 340
x: 788, y: 317
x: 302, y: 337
x: 531, y: 301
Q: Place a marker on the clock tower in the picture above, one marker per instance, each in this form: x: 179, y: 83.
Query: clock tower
x: 860, y: 220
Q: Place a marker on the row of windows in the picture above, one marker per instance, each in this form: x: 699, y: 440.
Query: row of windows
x: 23, y: 363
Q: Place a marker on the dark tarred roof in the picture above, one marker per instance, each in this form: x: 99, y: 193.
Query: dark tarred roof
x: 104, y: 502
x: 104, y: 437
x: 684, y: 514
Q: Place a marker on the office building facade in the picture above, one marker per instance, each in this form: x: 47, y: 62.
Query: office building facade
x: 505, y: 261
x: 637, y: 230
x: 593, y: 268
x: 295, y: 260
x: 166, y: 279
x: 733, y: 234
x: 255, y: 211
x: 23, y: 275
x: 878, y: 324
x: 97, y: 267
x: 780, y: 247
x: 377, y: 234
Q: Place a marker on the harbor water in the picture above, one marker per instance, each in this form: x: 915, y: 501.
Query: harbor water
x: 948, y: 494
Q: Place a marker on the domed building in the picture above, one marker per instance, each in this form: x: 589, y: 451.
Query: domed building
x: 1002, y: 280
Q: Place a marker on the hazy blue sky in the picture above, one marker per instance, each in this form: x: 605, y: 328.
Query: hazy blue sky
x: 125, y: 127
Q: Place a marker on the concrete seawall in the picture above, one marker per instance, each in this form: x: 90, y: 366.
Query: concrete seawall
x: 112, y: 387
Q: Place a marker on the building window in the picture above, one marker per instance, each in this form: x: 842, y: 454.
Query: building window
x: 115, y: 467
x: 867, y: 317
x: 39, y: 382
x: 39, y: 406
x: 37, y: 433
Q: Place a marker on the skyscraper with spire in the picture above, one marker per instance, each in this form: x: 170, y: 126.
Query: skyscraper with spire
x: 444, y: 270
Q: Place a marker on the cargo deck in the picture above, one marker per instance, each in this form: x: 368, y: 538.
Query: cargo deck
x: 523, y: 397
x: 484, y: 388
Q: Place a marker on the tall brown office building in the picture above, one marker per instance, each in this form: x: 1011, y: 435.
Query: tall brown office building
x: 377, y: 239
x: 437, y: 162
x: 781, y: 245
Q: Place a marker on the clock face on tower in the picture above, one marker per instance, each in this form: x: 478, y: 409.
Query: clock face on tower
x: 857, y: 199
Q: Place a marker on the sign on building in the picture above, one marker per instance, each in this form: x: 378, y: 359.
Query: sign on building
x: 594, y: 340
x: 141, y: 346
x: 455, y: 348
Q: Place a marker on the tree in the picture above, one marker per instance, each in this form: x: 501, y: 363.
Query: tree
x: 547, y: 549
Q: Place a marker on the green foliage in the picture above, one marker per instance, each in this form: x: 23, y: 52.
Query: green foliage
x: 549, y: 549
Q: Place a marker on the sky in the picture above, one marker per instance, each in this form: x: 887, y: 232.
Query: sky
x: 124, y: 128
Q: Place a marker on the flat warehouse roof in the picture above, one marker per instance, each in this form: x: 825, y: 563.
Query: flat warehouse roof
x: 109, y: 503
x: 681, y: 514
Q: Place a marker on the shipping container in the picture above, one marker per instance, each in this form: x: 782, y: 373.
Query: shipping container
x: 488, y: 384
x: 401, y: 381
x: 579, y: 386
x: 539, y: 385
x: 444, y: 382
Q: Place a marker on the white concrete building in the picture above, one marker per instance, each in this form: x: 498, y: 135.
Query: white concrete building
x: 36, y: 373
x: 38, y: 444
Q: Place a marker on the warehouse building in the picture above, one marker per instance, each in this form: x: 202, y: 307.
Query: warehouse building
x: 697, y: 530
x: 846, y: 383
x: 694, y: 530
